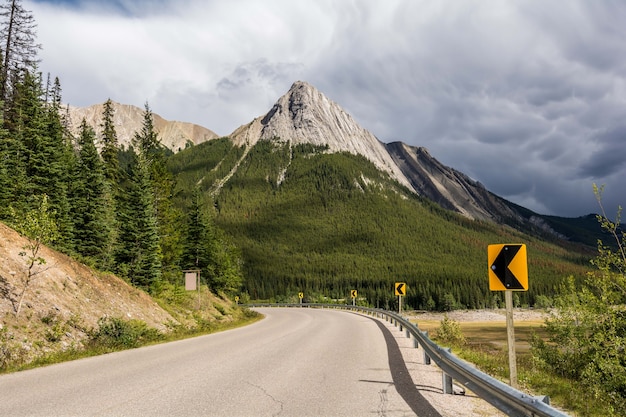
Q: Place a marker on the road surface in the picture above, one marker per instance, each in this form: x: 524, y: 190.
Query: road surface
x: 295, y: 362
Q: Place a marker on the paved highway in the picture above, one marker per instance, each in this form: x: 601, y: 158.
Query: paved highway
x: 295, y: 362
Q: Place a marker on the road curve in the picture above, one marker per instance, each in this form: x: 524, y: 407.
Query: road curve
x: 295, y: 362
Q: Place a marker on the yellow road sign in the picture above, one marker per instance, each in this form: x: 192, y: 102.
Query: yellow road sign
x: 508, y: 267
x: 301, y: 295
x: 400, y: 288
x: 353, y: 293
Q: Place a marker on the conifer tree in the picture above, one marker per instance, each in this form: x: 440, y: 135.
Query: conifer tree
x: 43, y: 154
x: 199, y: 236
x: 153, y: 152
x: 12, y: 174
x: 109, y: 143
x: 91, y: 231
x: 19, y: 45
x: 207, y: 249
x: 138, y: 256
x: 113, y: 177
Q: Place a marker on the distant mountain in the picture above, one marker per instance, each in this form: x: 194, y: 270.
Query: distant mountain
x: 303, y: 115
x: 128, y: 119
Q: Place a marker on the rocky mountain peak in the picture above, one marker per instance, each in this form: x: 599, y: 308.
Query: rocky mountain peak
x: 128, y: 119
x: 305, y: 115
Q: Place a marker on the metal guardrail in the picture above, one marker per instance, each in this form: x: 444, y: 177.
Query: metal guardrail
x: 502, y: 396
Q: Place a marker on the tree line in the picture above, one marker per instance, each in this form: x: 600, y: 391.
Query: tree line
x: 112, y: 207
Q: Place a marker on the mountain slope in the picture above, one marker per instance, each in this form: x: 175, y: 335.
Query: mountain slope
x: 325, y: 223
x: 128, y: 119
x: 305, y: 115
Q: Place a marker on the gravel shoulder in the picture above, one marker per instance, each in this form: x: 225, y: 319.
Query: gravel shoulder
x: 428, y: 380
x: 466, y: 316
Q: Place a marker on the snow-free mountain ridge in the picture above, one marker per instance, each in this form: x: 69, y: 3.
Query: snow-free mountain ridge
x: 305, y: 115
x: 128, y: 119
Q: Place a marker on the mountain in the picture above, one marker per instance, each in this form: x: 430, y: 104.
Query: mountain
x: 305, y: 115
x: 128, y: 119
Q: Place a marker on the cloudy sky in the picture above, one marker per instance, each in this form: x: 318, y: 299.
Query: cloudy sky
x: 527, y: 97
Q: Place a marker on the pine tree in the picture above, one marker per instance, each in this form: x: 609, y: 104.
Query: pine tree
x: 199, y: 237
x: 168, y: 218
x: 109, y: 143
x: 19, y: 44
x: 91, y: 231
x: 138, y: 256
x: 207, y: 249
x: 113, y: 177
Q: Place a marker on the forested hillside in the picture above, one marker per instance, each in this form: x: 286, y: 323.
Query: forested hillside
x: 306, y: 220
x: 276, y: 217
x: 110, y: 209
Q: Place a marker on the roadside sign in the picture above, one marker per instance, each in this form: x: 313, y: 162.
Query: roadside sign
x: 301, y: 295
x: 353, y: 293
x: 400, y: 288
x: 508, y: 267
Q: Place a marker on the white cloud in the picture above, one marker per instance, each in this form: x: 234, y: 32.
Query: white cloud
x: 527, y: 97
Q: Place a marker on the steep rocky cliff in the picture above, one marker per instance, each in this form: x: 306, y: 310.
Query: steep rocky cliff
x: 448, y: 187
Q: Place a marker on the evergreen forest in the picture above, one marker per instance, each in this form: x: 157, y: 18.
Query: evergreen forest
x: 306, y: 220
x: 264, y: 222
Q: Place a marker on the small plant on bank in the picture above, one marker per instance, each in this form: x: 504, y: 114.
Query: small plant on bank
x: 115, y: 333
x: 449, y: 332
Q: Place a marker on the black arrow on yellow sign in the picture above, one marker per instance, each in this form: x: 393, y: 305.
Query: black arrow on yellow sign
x: 400, y: 290
x: 508, y: 265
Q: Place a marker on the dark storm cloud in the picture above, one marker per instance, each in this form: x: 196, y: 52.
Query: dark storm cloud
x: 610, y: 157
x: 527, y: 97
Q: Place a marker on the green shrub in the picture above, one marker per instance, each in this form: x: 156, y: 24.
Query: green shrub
x: 449, y: 332
x: 114, y: 332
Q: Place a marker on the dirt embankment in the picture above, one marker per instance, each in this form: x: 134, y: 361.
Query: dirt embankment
x: 63, y: 300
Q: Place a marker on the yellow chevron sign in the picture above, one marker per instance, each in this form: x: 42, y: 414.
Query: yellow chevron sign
x: 400, y: 288
x: 508, y: 267
x: 353, y: 293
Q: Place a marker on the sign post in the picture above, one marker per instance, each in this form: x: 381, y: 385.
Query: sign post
x: 353, y: 295
x: 301, y: 296
x: 508, y: 272
x: 400, y: 289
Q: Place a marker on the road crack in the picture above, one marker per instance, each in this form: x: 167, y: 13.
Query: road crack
x: 384, y: 401
x: 270, y: 396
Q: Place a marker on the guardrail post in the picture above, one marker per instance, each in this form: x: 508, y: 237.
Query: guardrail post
x: 401, y: 327
x: 408, y: 334
x: 415, y: 343
x: 447, y: 384
x: 447, y: 379
x: 426, y: 357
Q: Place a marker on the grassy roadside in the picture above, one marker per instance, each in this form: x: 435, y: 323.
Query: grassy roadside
x: 485, y: 346
x: 197, y: 314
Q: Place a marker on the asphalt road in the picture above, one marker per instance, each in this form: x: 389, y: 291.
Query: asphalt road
x: 295, y: 362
